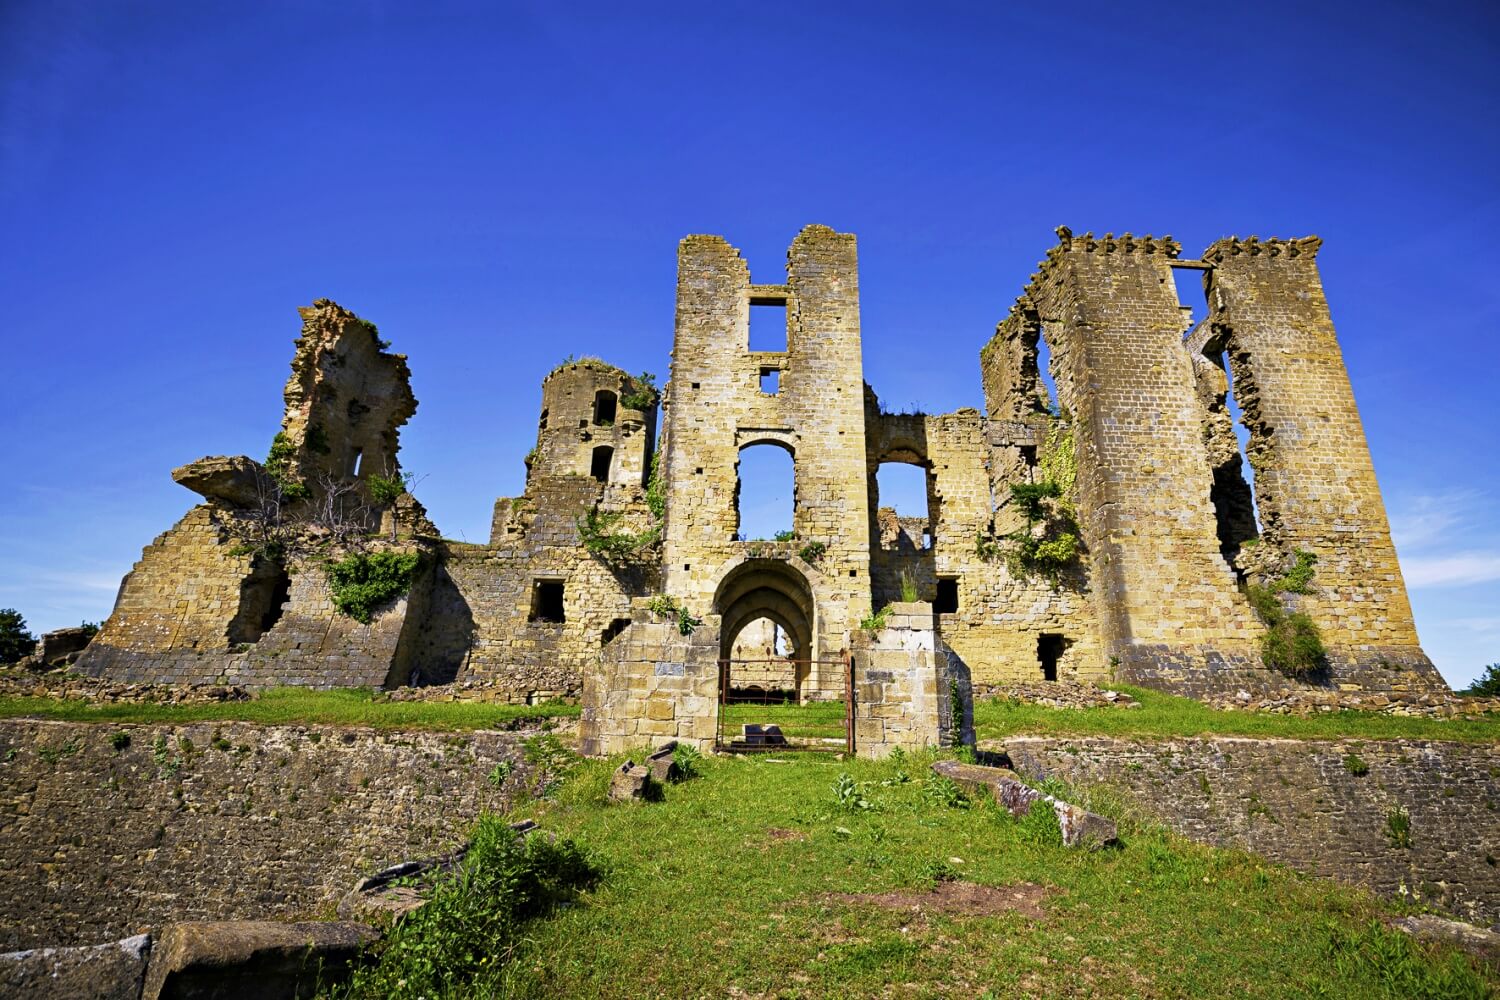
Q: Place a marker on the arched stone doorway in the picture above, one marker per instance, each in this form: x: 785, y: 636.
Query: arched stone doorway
x: 773, y: 590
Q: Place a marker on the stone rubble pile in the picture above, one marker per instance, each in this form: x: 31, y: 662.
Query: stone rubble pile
x: 1056, y: 694
x: 68, y: 685
x: 492, y: 692
x: 1312, y: 702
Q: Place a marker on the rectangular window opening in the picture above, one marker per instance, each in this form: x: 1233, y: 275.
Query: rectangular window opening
x: 547, y: 601
x: 1049, y: 650
x: 770, y: 381
x: 946, y: 600
x: 354, y: 462
x: 767, y: 325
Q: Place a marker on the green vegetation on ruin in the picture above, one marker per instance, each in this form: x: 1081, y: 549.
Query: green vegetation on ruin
x: 292, y: 706
x: 746, y: 881
x: 362, y: 582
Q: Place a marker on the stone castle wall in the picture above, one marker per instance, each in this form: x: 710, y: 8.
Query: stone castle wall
x: 1300, y: 802
x: 222, y: 821
x: 1161, y: 497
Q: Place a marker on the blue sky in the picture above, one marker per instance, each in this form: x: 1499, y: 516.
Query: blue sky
x: 500, y: 185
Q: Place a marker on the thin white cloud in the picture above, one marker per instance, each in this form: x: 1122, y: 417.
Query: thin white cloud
x: 1452, y: 570
x: 1424, y: 521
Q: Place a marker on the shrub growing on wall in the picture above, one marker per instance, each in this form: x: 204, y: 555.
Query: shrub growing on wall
x: 363, y: 582
x: 1292, y: 643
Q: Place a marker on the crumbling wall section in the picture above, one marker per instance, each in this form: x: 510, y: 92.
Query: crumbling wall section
x: 1000, y: 619
x: 1314, y: 479
x: 1321, y: 807
x: 1168, y: 607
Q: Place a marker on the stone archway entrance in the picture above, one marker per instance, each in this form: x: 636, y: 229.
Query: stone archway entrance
x: 769, y: 590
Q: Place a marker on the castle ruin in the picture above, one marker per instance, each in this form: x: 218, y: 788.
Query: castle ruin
x: 1108, y: 534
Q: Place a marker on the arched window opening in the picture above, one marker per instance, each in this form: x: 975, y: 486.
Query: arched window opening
x: 604, y: 457
x: 903, y: 494
x: 765, y: 496
x: 605, y: 403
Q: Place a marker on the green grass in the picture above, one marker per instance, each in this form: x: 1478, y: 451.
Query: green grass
x: 292, y: 706
x: 1163, y: 716
x: 725, y: 889
x: 816, y: 720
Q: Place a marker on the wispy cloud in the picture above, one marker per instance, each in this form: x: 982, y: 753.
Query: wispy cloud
x: 1451, y: 571
x: 1447, y: 539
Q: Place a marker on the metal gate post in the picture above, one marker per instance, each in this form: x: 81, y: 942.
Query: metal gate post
x: 848, y: 703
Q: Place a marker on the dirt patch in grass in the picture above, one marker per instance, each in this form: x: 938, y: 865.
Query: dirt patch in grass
x: 960, y: 899
x: 781, y: 833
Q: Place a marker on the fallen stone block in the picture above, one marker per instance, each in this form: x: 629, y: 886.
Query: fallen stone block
x: 389, y: 895
x: 629, y: 782
x: 113, y: 971
x: 663, y: 764
x: 1080, y: 828
x: 762, y: 736
x: 251, y: 959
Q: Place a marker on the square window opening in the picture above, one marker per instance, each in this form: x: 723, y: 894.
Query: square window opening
x: 770, y: 381
x: 547, y: 601
x: 946, y: 600
x: 767, y: 325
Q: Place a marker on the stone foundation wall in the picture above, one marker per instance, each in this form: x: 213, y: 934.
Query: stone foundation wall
x: 653, y: 685
x: 99, y: 843
x: 1300, y: 803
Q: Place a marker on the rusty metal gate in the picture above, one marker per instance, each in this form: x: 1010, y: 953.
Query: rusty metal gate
x: 802, y: 714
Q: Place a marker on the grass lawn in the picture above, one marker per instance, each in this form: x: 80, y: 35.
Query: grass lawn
x: 738, y: 884
x: 1160, y: 716
x: 1163, y: 716
x: 293, y: 706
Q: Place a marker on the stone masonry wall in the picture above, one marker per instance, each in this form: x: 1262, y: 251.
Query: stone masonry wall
x: 1168, y: 606
x: 1300, y: 803
x: 900, y: 698
x: 1314, y: 480
x: 653, y: 685
x: 99, y: 843
x: 171, y: 623
x: 715, y: 408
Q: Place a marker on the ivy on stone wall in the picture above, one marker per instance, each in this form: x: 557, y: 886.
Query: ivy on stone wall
x: 601, y: 535
x: 1049, y: 544
x: 1292, y: 644
x: 279, y: 464
x: 667, y: 606
x: 643, y: 393
x: 656, y: 488
x: 364, y: 581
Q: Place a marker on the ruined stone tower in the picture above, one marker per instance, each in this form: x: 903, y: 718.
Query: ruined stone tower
x: 1112, y: 531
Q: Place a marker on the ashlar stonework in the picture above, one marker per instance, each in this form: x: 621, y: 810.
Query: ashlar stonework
x: 1101, y: 530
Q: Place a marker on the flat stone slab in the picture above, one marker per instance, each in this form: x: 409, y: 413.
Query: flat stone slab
x: 1475, y: 940
x: 1080, y: 828
x: 235, y: 479
x: 663, y: 764
x: 762, y: 735
x: 113, y: 971
x: 251, y: 959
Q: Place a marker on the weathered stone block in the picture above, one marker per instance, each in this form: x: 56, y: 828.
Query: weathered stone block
x: 250, y: 959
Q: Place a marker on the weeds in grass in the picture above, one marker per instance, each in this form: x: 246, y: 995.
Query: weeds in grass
x: 499, y: 773
x: 850, y: 794
x: 1399, y: 965
x: 460, y: 943
x: 943, y: 792
x: 688, y: 760
x: 553, y: 761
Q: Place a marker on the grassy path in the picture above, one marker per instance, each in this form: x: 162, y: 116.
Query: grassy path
x: 738, y: 883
